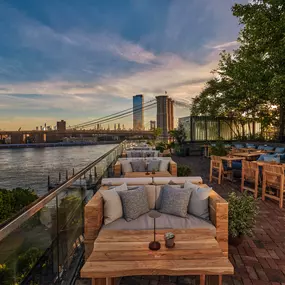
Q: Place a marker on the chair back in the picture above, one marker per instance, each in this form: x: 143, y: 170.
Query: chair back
x: 274, y: 175
x: 216, y: 162
x: 249, y: 169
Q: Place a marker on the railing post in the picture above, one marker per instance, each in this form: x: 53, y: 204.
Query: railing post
x: 48, y: 182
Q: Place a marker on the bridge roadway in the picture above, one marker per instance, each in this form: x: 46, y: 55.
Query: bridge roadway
x: 54, y: 136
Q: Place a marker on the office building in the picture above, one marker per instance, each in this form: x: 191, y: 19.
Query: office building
x: 165, y: 114
x: 60, y: 126
x: 138, y: 112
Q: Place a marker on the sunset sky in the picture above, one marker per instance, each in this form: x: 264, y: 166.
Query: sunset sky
x: 80, y: 60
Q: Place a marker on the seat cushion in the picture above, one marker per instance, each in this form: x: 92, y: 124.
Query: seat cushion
x: 165, y: 221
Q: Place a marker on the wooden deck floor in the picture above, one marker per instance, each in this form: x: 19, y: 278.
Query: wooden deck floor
x: 260, y: 260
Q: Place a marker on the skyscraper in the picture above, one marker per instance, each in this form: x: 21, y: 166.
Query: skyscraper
x: 164, y: 115
x: 138, y: 112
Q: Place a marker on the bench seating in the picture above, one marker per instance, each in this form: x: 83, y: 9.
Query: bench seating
x: 172, y: 167
x: 217, y: 226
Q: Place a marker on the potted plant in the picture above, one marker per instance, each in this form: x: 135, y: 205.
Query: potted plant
x: 153, y: 171
x: 169, y: 240
x: 242, y: 217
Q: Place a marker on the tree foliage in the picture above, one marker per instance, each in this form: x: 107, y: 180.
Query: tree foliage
x: 178, y: 134
x: 12, y: 201
x: 249, y: 84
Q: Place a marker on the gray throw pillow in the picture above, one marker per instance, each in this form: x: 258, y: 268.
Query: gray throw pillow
x: 138, y: 165
x: 199, y: 201
x: 134, y: 203
x: 175, y: 201
x: 153, y: 165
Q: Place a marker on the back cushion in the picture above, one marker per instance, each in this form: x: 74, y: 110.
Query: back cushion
x: 163, y: 165
x: 126, y: 166
x: 150, y: 191
x: 279, y: 149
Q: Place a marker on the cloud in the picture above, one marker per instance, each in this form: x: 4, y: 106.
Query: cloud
x: 224, y: 46
x: 80, y: 61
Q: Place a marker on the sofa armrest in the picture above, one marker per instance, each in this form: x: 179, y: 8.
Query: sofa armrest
x: 219, y: 217
x: 93, y: 219
x: 117, y: 169
x: 173, y: 168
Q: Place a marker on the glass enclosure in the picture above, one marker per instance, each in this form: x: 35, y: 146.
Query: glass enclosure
x: 44, y: 244
x: 202, y: 128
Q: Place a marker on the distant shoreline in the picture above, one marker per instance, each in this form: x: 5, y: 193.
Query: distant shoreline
x: 60, y: 144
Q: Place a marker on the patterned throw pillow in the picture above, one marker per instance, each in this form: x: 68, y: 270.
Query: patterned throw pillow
x: 199, y: 201
x: 175, y: 201
x: 153, y: 165
x: 138, y: 165
x: 134, y: 203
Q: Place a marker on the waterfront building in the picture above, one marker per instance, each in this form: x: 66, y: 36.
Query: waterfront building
x: 61, y: 126
x: 138, y: 112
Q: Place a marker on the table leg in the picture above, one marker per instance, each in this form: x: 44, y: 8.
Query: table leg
x: 215, y: 280
x: 99, y: 281
x: 202, y: 279
x: 110, y: 281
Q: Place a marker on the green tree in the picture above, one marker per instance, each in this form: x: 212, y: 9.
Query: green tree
x: 249, y: 84
x: 157, y: 132
x: 179, y: 134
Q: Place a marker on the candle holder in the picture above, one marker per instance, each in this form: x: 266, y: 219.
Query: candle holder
x: 154, y: 245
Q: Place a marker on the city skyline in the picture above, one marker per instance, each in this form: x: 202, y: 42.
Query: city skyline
x: 79, y: 61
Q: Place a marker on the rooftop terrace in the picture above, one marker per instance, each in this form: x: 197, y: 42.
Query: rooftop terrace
x: 259, y: 260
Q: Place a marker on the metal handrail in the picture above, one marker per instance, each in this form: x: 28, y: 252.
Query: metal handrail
x: 21, y: 217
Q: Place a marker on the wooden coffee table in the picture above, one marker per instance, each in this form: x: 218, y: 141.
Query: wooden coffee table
x: 144, y: 174
x: 125, y: 253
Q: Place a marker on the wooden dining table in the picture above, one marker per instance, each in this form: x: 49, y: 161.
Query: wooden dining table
x: 248, y: 155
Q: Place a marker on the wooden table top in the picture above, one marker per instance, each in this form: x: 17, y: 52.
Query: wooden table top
x: 246, y: 154
x: 143, y: 174
x: 262, y: 163
x: 232, y: 158
x: 126, y: 253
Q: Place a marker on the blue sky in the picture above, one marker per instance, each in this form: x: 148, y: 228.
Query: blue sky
x: 79, y: 60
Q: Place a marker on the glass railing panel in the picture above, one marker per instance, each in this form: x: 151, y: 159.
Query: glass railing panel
x: 47, y: 247
x: 70, y: 228
x: 26, y: 254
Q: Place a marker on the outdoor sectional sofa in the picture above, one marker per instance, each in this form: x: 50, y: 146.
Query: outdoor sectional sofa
x: 120, y: 169
x: 217, y: 226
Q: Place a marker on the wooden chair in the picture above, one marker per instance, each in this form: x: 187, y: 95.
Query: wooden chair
x: 217, y: 164
x: 249, y: 173
x: 273, y: 176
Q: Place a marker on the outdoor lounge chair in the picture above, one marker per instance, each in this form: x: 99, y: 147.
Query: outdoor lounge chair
x: 222, y: 169
x: 273, y: 177
x: 250, y: 173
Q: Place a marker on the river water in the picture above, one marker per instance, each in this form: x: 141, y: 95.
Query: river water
x: 30, y: 167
